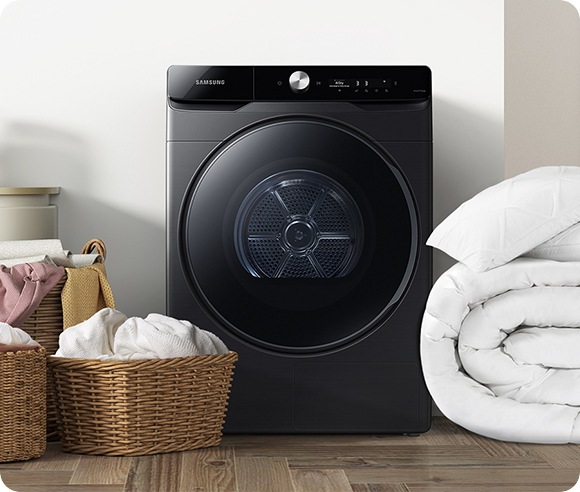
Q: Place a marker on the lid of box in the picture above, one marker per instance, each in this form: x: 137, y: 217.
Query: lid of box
x: 55, y: 190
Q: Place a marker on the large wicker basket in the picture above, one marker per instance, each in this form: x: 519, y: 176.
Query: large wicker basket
x: 45, y: 325
x: 133, y: 408
x: 22, y: 404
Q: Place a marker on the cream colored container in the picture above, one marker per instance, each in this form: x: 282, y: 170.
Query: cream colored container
x: 27, y: 213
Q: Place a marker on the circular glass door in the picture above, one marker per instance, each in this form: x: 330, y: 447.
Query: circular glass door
x: 298, y: 235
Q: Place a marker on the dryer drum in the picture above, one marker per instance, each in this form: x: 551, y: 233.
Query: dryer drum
x: 298, y: 224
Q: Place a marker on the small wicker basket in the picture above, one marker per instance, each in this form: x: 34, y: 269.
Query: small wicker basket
x: 22, y: 404
x: 133, y: 408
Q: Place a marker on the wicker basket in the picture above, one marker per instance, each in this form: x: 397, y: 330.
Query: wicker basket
x: 22, y: 404
x: 133, y: 408
x: 45, y: 325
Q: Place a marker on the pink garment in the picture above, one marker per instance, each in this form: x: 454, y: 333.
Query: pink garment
x: 23, y: 287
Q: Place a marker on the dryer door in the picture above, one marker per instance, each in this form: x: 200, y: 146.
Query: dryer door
x: 299, y: 235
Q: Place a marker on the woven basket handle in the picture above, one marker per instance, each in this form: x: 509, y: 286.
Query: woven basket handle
x: 95, y: 244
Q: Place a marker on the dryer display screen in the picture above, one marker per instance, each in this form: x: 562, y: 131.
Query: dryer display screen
x: 361, y: 83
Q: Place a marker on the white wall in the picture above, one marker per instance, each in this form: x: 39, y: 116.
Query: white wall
x: 82, y: 100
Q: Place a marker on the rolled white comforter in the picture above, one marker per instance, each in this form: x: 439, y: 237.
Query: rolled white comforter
x: 501, y: 349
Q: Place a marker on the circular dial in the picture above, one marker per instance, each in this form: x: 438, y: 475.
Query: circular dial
x: 299, y: 81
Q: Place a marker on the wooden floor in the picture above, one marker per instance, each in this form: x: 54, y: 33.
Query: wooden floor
x: 447, y: 458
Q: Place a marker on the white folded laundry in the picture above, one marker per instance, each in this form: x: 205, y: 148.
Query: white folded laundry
x: 43, y: 250
x: 110, y: 335
x: 10, y: 250
x: 10, y: 335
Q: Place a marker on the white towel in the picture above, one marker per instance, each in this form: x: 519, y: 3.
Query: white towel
x: 161, y: 337
x: 110, y: 335
x: 93, y: 338
x: 15, y: 336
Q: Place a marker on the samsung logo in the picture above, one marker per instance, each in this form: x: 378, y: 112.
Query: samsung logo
x: 210, y: 82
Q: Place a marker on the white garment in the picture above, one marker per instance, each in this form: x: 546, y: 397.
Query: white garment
x: 110, y: 335
x: 15, y: 336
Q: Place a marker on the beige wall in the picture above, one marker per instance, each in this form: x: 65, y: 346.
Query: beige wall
x: 542, y: 84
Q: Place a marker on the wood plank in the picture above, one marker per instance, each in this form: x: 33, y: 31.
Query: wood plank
x: 263, y: 475
x: 158, y: 472
x: 15, y: 478
x: 500, y: 449
x: 465, y: 477
x: 70, y: 488
x: 210, y: 469
x: 292, y: 440
x: 411, y: 487
x: 320, y: 481
x: 17, y: 465
x: 379, y: 487
x: 418, y: 460
x: 359, y: 452
x: 447, y: 433
x: 558, y: 456
x: 103, y: 470
x: 54, y: 459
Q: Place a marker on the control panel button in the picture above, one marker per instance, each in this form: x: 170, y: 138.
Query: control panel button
x: 299, y: 81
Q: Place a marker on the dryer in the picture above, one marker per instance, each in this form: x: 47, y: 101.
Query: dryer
x: 298, y: 205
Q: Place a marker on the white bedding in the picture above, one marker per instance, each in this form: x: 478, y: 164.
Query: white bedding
x: 500, y: 341
x: 501, y: 349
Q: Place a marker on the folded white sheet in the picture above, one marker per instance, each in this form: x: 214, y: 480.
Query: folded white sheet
x: 15, y: 336
x: 33, y: 248
x: 110, y: 335
x: 43, y: 250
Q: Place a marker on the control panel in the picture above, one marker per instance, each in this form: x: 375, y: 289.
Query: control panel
x: 283, y: 83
